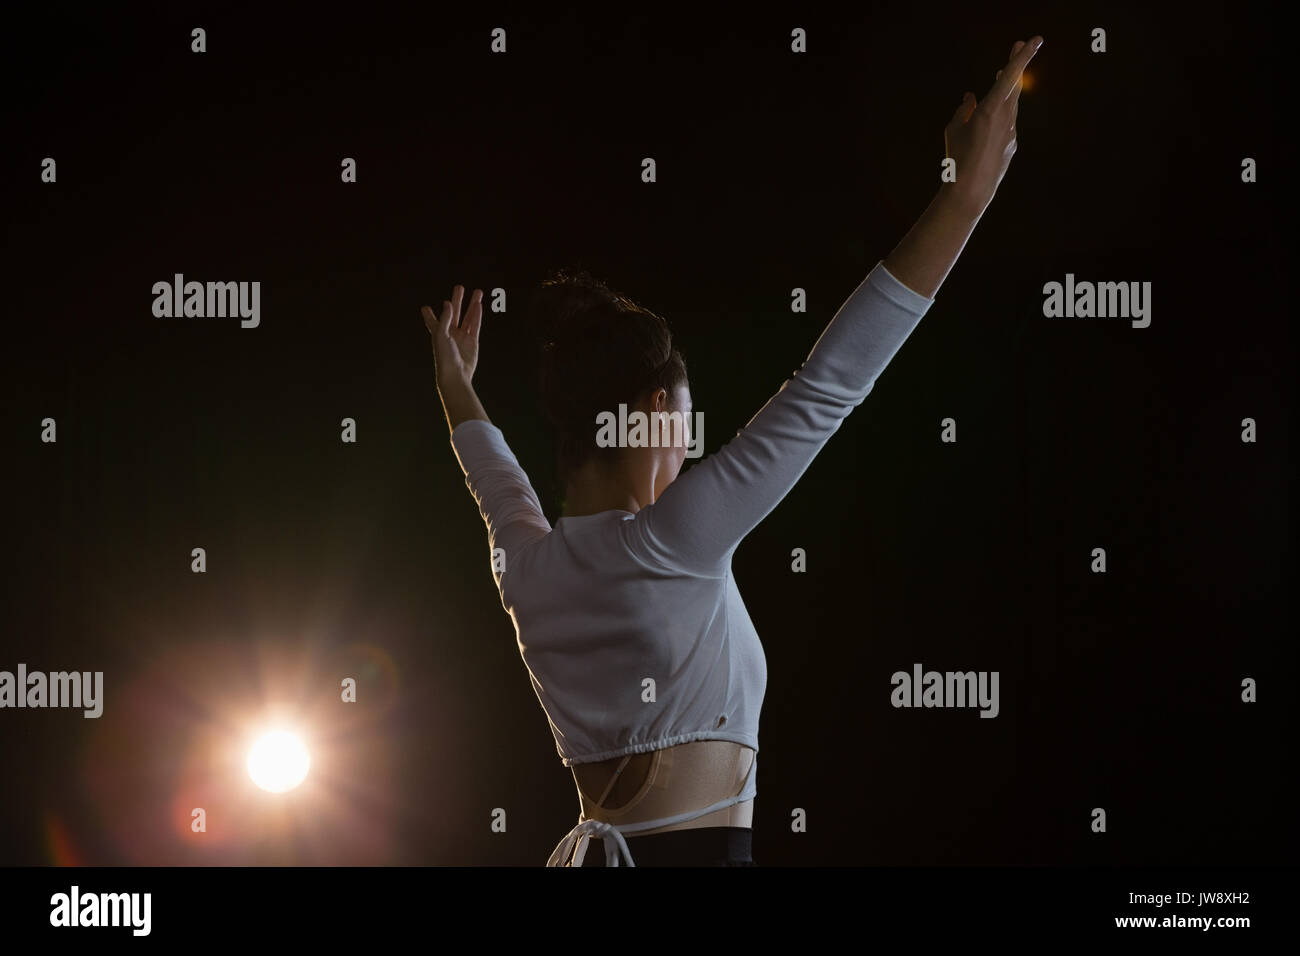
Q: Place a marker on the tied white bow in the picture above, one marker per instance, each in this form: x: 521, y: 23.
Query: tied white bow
x: 583, y: 834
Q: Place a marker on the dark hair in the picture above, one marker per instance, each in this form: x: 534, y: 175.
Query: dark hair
x: 599, y: 349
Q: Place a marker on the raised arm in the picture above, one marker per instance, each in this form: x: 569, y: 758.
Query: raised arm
x: 981, y: 139
x: 505, y: 497
x: 455, y: 355
x: 703, y: 515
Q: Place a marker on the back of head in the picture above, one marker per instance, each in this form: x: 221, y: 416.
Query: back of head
x: 600, y: 350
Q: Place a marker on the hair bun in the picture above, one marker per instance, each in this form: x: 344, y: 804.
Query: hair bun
x: 565, y: 299
x: 599, y: 349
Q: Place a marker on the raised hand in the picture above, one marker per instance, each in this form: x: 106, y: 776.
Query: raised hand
x: 455, y: 339
x: 981, y: 136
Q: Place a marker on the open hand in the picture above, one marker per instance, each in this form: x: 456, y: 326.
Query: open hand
x: 455, y: 339
x: 981, y: 136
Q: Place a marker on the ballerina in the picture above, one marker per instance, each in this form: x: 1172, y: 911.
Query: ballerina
x: 639, y: 647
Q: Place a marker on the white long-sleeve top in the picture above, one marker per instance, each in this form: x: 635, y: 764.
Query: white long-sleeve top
x: 631, y: 625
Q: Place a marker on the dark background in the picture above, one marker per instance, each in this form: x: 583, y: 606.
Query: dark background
x: 775, y: 170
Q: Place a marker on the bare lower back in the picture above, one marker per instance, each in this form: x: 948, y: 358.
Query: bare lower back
x: 667, y: 782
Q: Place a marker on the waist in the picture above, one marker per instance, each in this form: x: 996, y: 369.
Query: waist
x: 669, y: 782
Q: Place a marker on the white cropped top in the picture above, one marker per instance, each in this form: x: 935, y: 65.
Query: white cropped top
x: 631, y: 625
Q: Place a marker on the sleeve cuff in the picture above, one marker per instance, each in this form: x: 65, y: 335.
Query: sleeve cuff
x: 475, y: 440
x: 896, y: 292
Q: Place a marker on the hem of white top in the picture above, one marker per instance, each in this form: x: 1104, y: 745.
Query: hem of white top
x: 900, y: 294
x: 748, y: 740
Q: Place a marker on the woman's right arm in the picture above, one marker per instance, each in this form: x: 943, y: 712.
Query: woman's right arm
x: 505, y: 497
x: 455, y: 354
x: 702, y: 516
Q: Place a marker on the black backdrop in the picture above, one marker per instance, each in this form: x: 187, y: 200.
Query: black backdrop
x: 775, y: 170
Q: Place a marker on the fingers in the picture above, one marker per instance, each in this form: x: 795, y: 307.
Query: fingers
x: 1008, y: 78
x: 437, y: 328
x: 964, y: 109
x: 430, y: 319
x: 437, y: 324
x: 959, y: 118
x: 474, y: 317
x: 457, y: 294
x: 1014, y: 98
x: 450, y: 321
x: 1015, y: 48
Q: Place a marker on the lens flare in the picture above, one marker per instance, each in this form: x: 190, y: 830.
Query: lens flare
x: 278, y: 761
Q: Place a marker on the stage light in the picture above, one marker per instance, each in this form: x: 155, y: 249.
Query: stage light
x: 278, y: 761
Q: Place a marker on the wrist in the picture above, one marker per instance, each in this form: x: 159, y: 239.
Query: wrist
x: 453, y: 379
x: 459, y: 400
x: 960, y: 202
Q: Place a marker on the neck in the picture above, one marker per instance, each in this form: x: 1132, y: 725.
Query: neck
x: 596, y: 487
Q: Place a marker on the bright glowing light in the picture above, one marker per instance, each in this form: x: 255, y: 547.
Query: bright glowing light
x: 278, y: 761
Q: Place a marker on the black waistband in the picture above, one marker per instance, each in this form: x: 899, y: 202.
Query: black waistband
x: 700, y: 846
